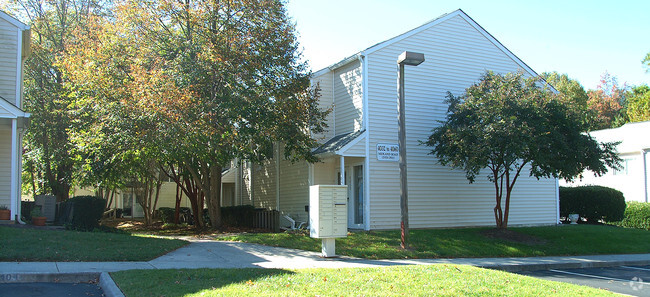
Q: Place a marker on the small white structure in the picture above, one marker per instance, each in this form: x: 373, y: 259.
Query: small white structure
x: 633, y: 178
x: 328, y: 215
x: 14, y: 50
x: 360, y: 148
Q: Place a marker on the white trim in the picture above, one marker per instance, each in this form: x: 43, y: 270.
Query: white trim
x: 13, y: 179
x: 350, y: 144
x: 12, y: 109
x: 277, y: 176
x: 428, y: 25
x: 351, y: 188
x: 414, y: 31
x: 557, y: 200
x: 19, y: 68
x: 366, y: 167
x: 320, y: 72
x: 646, y: 177
x: 333, y: 105
x: 498, y: 44
x: 18, y: 24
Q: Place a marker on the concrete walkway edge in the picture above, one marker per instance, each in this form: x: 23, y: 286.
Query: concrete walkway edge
x: 220, y: 254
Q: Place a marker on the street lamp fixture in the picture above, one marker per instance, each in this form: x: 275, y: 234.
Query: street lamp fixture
x: 412, y: 59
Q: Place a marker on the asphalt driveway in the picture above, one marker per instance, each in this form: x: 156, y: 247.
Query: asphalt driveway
x: 631, y: 280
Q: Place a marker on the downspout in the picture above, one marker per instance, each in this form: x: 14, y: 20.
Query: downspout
x: 277, y: 175
x: 644, y: 154
x: 21, y: 133
x: 557, y: 200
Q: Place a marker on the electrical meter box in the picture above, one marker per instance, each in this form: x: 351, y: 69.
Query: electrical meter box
x: 328, y: 211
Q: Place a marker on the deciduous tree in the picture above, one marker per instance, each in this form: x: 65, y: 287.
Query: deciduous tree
x: 508, y: 125
x: 638, y: 108
x: 51, y: 152
x: 608, y: 102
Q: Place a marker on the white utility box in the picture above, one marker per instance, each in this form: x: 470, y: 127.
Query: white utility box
x: 328, y: 215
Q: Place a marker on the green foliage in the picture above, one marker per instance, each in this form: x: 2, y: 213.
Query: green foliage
x: 469, y: 242
x: 238, y: 216
x: 35, y: 212
x: 443, y: 280
x: 608, y: 103
x: 50, y: 157
x: 190, y: 86
x: 87, y: 211
x: 593, y: 203
x: 570, y: 88
x: 36, y: 245
x: 506, y: 122
x: 166, y: 214
x: 638, y: 108
x: 637, y: 215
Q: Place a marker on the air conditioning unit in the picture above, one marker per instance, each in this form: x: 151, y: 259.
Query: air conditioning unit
x: 48, y: 206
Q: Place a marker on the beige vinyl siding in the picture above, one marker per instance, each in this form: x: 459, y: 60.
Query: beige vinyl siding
x: 167, y: 196
x: 245, y: 197
x: 264, y: 185
x: 294, y: 189
x: 8, y: 60
x: 348, y: 100
x: 325, y: 102
x: 357, y: 149
x: 5, y: 165
x: 456, y: 55
x: 325, y: 172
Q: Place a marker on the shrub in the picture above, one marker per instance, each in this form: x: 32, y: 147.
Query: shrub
x: 637, y: 215
x: 593, y: 203
x: 86, y: 212
x: 26, y: 209
x: 166, y: 214
x: 238, y: 216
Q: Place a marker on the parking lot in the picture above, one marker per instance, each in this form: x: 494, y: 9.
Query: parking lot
x: 630, y: 280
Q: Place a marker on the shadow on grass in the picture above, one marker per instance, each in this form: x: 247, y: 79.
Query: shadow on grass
x: 183, y: 282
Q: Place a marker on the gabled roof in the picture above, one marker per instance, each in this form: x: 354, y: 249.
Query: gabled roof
x: 8, y: 110
x: 426, y: 26
x: 5, y: 16
x: 338, y: 143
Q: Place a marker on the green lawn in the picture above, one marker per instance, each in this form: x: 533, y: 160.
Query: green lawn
x: 469, y: 242
x: 57, y: 245
x: 434, y: 280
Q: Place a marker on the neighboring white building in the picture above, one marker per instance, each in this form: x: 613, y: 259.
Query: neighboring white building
x: 633, y: 178
x: 14, y: 49
x: 362, y: 90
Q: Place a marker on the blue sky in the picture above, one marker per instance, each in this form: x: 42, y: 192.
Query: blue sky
x: 580, y: 38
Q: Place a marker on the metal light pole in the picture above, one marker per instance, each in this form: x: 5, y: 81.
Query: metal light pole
x: 413, y: 59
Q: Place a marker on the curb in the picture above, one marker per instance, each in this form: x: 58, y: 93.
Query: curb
x: 108, y: 286
x: 103, y: 280
x: 49, y: 278
x: 569, y: 265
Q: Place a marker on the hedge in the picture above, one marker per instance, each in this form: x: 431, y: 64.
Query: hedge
x: 166, y: 214
x: 238, y: 216
x: 86, y: 212
x: 637, y: 215
x: 593, y: 203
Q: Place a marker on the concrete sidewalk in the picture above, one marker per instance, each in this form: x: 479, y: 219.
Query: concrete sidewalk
x: 219, y: 254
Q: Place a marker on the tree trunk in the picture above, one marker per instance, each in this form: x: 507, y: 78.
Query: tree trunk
x: 214, y: 197
x: 177, y: 205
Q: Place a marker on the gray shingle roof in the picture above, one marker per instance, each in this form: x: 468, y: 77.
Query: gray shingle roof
x: 337, y: 142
